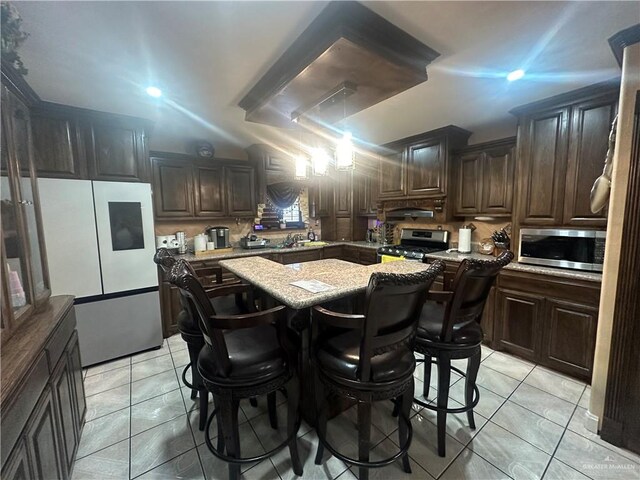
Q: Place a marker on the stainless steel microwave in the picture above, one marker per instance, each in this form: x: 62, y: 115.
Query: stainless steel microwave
x: 577, y: 249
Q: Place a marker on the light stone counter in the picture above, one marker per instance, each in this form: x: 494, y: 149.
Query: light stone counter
x: 521, y: 267
x: 347, y: 278
x: 238, y: 252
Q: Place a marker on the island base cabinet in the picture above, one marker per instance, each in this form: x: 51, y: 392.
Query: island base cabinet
x: 548, y: 320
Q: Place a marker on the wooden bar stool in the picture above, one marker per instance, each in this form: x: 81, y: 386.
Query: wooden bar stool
x: 373, y: 360
x: 244, y: 356
x: 449, y: 329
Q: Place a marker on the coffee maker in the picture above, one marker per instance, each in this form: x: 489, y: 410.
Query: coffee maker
x: 219, y: 235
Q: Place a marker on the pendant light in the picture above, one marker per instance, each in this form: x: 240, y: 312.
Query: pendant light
x: 345, y: 153
x: 301, y: 167
x: 320, y: 162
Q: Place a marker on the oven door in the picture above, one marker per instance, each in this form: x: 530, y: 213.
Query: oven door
x: 577, y: 249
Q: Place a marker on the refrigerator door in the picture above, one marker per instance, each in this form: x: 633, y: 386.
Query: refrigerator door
x: 114, y: 327
x: 124, y: 219
x: 70, y: 236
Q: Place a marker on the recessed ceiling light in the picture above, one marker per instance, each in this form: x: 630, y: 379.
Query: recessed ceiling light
x: 154, y: 92
x: 515, y: 75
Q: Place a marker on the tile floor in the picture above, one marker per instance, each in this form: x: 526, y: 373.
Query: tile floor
x: 142, y: 424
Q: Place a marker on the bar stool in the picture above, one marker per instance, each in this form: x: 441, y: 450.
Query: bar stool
x: 373, y: 360
x: 244, y: 356
x: 451, y: 330
x: 191, y: 333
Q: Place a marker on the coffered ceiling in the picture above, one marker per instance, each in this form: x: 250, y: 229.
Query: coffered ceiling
x: 206, y: 56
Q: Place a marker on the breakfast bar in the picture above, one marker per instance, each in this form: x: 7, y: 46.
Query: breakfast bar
x: 343, y: 279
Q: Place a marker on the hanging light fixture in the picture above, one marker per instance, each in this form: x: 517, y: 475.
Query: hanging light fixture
x: 345, y: 153
x: 319, y: 162
x: 301, y: 167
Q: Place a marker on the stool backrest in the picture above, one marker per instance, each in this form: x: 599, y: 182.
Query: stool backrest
x: 164, y: 259
x: 392, y: 309
x: 471, y: 287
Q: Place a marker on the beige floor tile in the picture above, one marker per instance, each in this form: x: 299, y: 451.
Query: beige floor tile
x: 509, y: 365
x: 512, y: 455
x: 103, y: 432
x: 529, y: 426
x: 157, y: 445
x: 107, y: 380
x: 557, y: 385
x: 549, y: 406
x: 108, y: 402
x: 184, y: 467
x: 153, y: 386
x: 593, y: 460
x: 151, y: 367
x: 470, y: 466
x: 559, y: 471
x: 156, y: 410
x: 109, y: 463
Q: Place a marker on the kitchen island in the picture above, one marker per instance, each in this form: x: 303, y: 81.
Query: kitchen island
x: 343, y: 278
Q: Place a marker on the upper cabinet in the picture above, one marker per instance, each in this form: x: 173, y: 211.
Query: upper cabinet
x: 418, y: 166
x: 484, y: 179
x: 562, y: 146
x: 365, y: 187
x: 185, y: 187
x: 84, y: 144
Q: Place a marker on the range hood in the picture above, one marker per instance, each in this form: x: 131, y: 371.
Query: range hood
x: 408, y: 213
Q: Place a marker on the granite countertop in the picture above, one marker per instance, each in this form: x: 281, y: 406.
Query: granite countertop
x: 521, y: 267
x: 242, y: 252
x: 347, y: 278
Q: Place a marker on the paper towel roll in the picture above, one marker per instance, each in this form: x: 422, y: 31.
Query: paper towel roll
x: 464, y: 240
x: 200, y: 242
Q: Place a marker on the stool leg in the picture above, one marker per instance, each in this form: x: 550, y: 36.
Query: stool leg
x: 204, y: 408
x: 321, y: 425
x: 194, y: 351
x: 253, y: 402
x: 426, y: 378
x: 220, y: 446
x: 229, y: 418
x: 364, y: 436
x: 293, y: 390
x: 473, y: 365
x: 271, y: 406
x: 444, y: 377
x: 403, y: 430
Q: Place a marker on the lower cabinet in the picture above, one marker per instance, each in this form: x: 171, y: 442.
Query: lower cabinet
x: 300, y: 257
x: 548, y: 320
x: 45, y: 452
x: 43, y: 420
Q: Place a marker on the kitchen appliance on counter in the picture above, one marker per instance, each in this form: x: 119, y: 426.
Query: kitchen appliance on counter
x: 107, y: 263
x: 167, y: 241
x: 576, y: 249
x: 219, y: 235
x: 251, y: 242
x: 415, y: 243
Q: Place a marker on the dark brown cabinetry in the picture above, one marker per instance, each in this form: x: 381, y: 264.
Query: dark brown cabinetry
x: 324, y: 200
x: 590, y: 125
x: 343, y: 190
x: 77, y: 143
x: 240, y: 191
x: 172, y: 187
x: 43, y: 405
x: 209, y: 189
x: 185, y: 187
x: 392, y: 180
x: 484, y: 179
x: 42, y: 440
x: 418, y: 166
x: 548, y: 320
x: 366, y: 189
x: 562, y: 145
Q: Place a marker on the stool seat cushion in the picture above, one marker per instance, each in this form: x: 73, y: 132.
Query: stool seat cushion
x: 430, y: 327
x: 339, y: 355
x: 254, y: 354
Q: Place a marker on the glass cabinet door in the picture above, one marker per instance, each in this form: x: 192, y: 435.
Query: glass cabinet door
x: 28, y: 202
x: 17, y: 266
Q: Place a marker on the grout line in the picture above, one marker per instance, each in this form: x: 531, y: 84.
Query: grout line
x: 165, y: 462
x: 130, y: 421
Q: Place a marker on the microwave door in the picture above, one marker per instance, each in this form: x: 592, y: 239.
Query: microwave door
x: 124, y: 221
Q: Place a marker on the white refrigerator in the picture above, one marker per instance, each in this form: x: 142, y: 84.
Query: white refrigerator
x: 99, y: 239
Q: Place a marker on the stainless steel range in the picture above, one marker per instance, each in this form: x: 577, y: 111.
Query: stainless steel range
x: 416, y: 242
